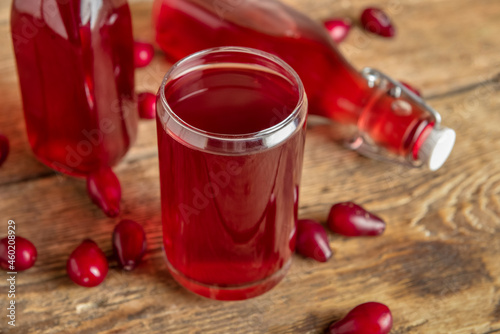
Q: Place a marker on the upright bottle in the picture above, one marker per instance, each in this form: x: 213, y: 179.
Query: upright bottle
x: 392, y: 122
x: 76, y: 72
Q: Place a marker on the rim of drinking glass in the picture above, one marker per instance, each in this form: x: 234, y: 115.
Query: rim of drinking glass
x: 243, y: 136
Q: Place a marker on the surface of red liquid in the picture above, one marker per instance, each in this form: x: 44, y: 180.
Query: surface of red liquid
x: 334, y: 88
x: 76, y: 72
x: 228, y: 220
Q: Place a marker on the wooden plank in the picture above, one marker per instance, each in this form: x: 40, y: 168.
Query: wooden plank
x: 436, y: 266
x: 440, y: 249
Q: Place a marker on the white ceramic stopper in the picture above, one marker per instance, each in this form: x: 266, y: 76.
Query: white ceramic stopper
x: 437, y: 147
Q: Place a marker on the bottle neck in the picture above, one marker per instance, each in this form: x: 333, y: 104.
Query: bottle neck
x: 343, y: 96
x: 393, y: 123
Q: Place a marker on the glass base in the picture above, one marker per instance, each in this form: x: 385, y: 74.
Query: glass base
x: 60, y: 168
x: 237, y: 292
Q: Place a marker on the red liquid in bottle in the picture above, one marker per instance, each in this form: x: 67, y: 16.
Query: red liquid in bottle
x: 229, y: 220
x: 334, y: 88
x: 76, y: 72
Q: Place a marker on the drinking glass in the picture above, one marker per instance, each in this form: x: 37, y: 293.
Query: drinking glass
x: 231, y: 131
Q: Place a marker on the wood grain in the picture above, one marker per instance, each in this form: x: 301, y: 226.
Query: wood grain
x: 437, y: 266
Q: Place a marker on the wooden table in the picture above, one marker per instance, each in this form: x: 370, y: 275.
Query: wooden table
x: 437, y: 266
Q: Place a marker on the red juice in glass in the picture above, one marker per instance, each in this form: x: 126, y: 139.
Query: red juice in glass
x: 76, y: 73
x: 231, y: 131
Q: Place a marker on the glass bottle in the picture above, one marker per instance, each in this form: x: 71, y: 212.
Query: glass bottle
x: 76, y: 73
x: 392, y: 122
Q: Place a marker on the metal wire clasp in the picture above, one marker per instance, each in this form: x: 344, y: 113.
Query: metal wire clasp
x: 375, y: 77
x: 362, y: 142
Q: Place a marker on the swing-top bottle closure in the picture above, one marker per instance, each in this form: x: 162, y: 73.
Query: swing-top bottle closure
x: 435, y: 148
